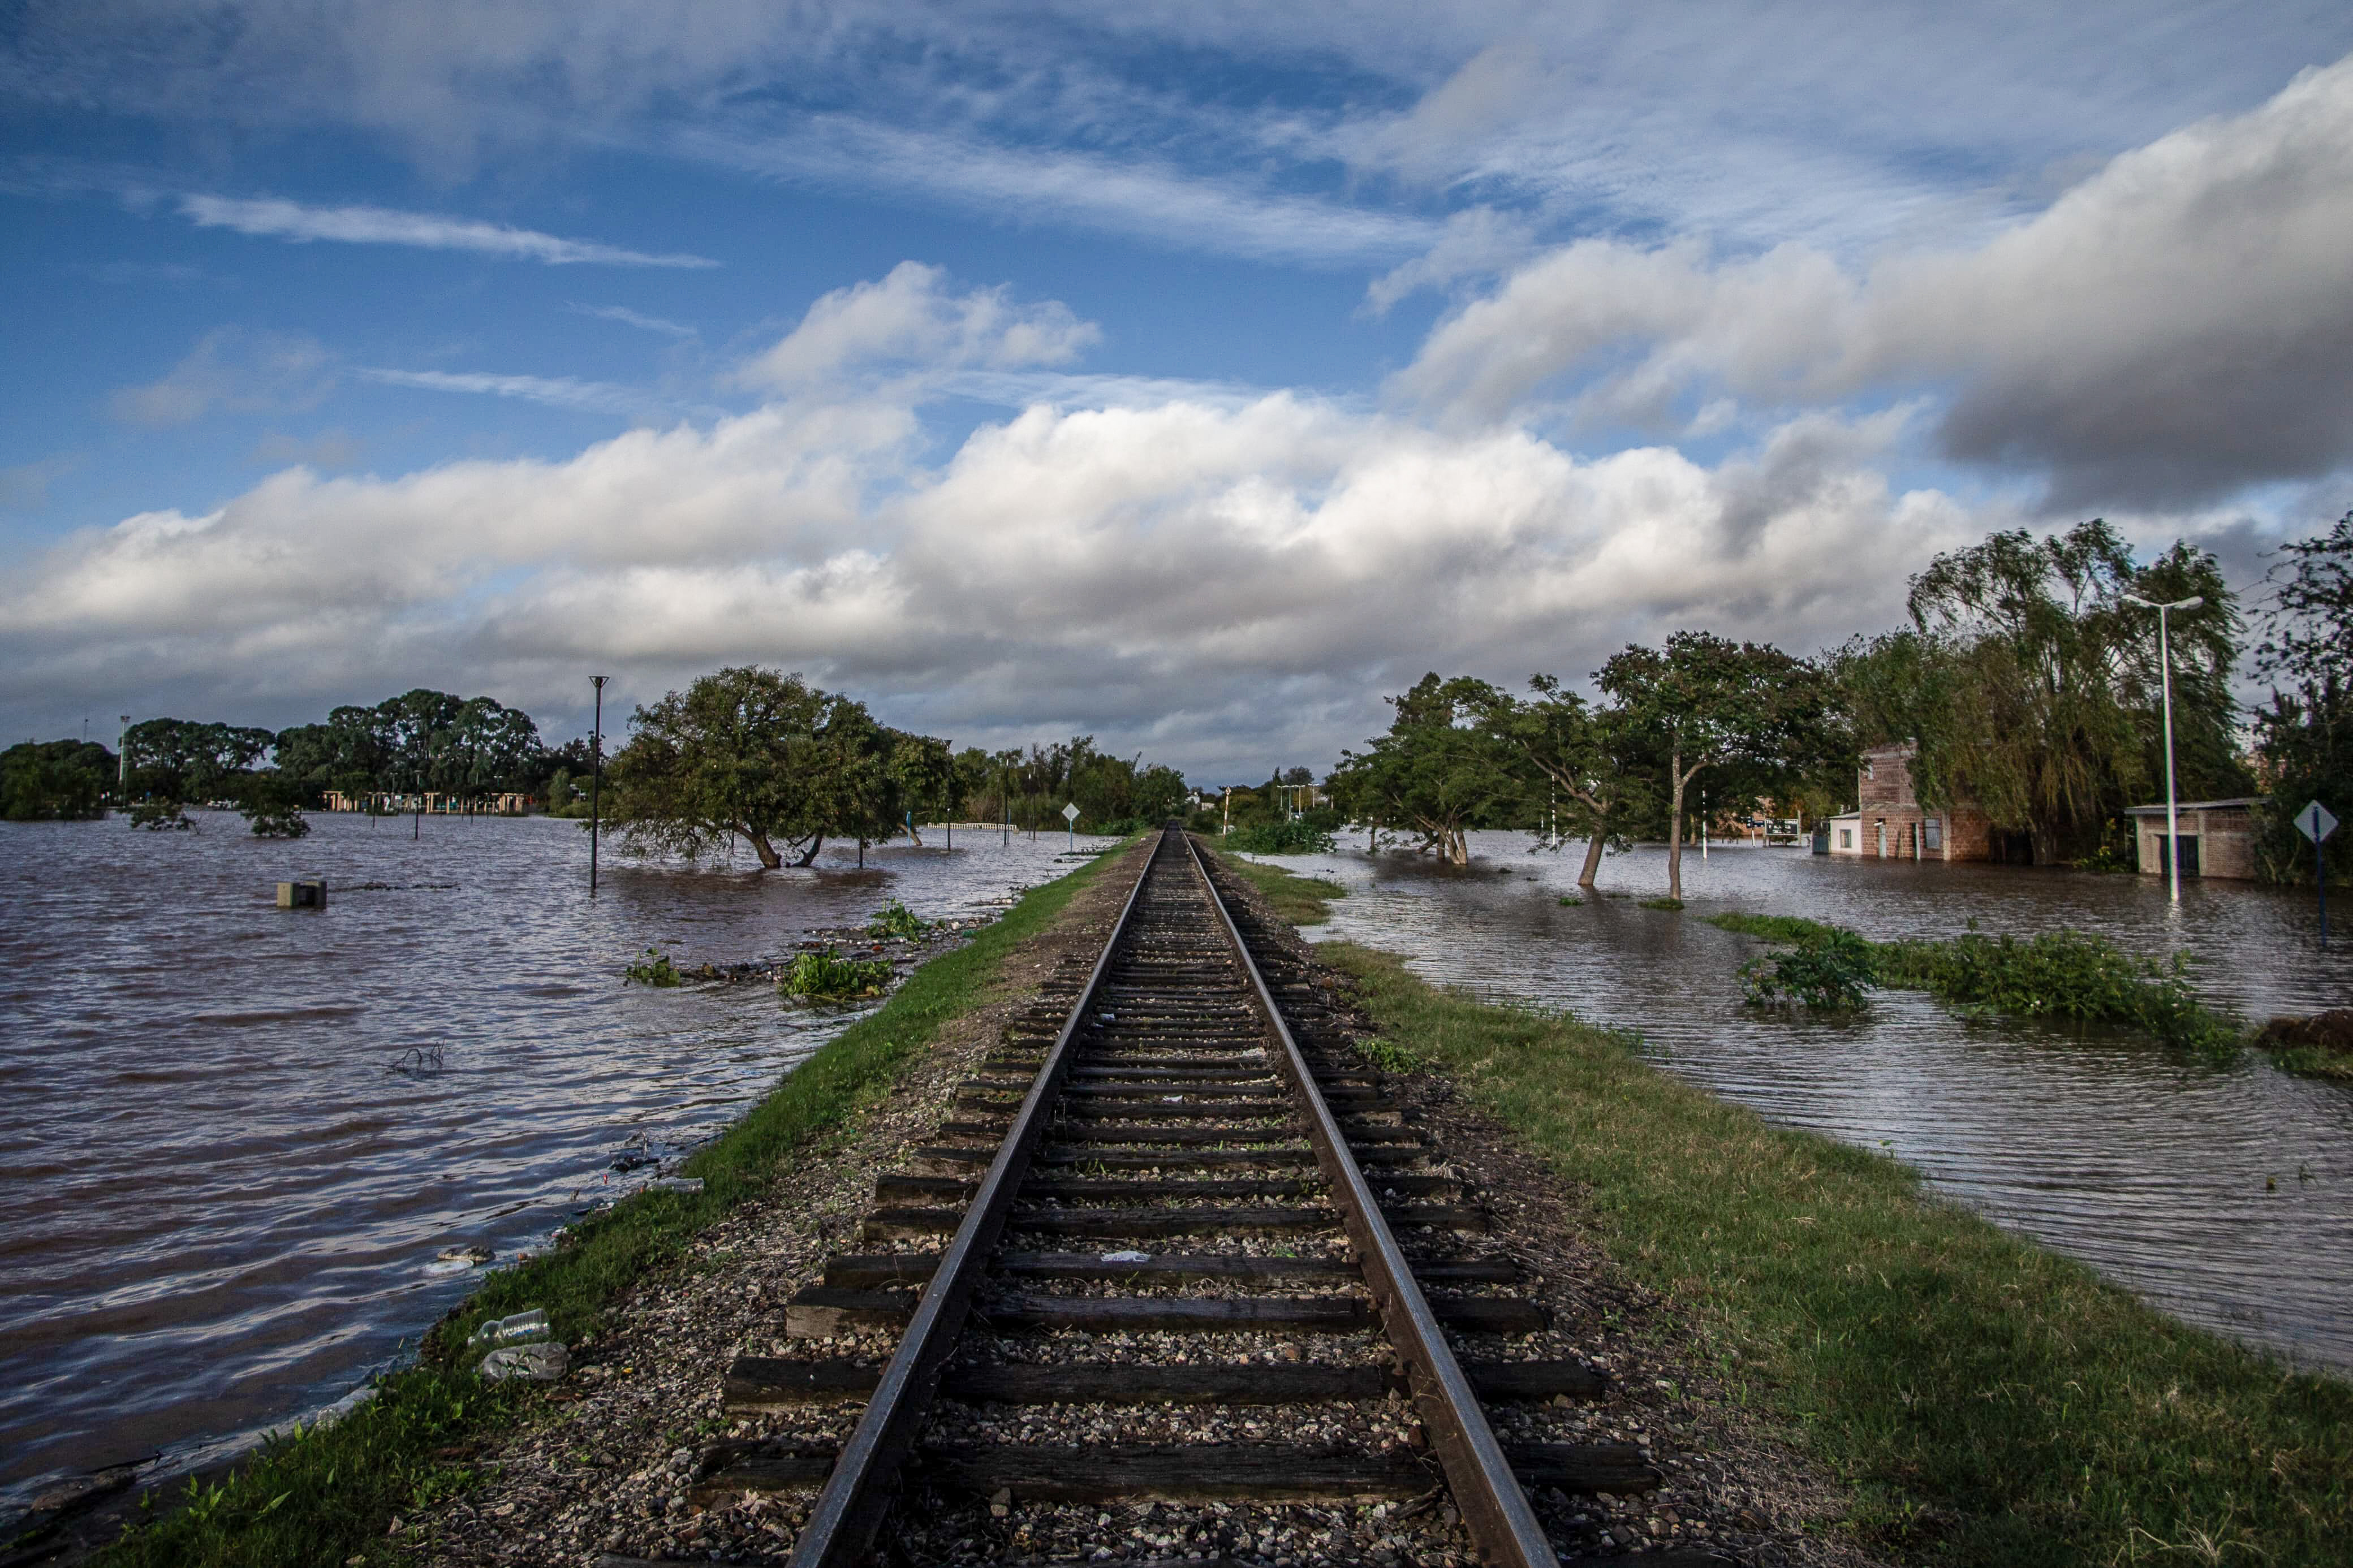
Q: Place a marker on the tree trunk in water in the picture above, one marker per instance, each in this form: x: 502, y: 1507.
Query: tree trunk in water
x: 916, y: 836
x: 1458, y: 848
x: 1675, y: 830
x: 1592, y: 859
x: 769, y: 859
x: 816, y: 844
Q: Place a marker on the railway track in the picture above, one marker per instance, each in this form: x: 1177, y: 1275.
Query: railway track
x: 1176, y: 1245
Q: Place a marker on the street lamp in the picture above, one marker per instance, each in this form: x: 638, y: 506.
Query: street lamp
x: 2165, y: 679
x: 596, y: 780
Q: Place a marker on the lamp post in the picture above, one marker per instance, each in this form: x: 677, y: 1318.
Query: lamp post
x: 2165, y: 681
x: 596, y: 780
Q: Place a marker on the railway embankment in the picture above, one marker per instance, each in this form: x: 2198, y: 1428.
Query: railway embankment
x: 1825, y: 1364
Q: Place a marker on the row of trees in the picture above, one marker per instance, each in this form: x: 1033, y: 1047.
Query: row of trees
x: 1029, y: 788
x: 1742, y: 720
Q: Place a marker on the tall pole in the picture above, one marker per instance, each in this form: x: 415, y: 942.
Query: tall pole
x: 596, y: 780
x: 122, y: 761
x: 2173, y: 819
x: 1005, y: 812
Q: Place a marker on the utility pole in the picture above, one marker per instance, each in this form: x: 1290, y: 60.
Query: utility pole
x: 596, y: 780
x: 122, y: 761
x: 2165, y: 676
x: 1005, y: 812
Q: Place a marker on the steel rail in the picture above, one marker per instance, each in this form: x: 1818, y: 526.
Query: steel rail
x: 841, y: 1528
x: 1493, y: 1507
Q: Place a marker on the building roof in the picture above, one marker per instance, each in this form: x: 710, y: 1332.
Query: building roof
x: 2237, y: 803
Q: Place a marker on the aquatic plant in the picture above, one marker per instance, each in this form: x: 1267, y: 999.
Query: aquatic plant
x: 827, y: 976
x: 1571, y: 900
x: 161, y: 816
x: 1668, y: 904
x: 654, y: 969
x: 1824, y: 973
x: 1295, y: 837
x: 895, y: 919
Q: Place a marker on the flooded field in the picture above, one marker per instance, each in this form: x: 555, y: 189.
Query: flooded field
x: 2224, y: 1195
x: 237, y: 1137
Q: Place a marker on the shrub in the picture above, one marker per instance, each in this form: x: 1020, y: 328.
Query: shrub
x: 895, y: 919
x: 654, y: 969
x: 827, y: 976
x: 1297, y: 836
x: 1824, y: 973
x: 2067, y: 974
x: 160, y: 817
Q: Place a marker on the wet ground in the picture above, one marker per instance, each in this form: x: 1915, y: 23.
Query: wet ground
x: 2224, y: 1194
x: 240, y: 1139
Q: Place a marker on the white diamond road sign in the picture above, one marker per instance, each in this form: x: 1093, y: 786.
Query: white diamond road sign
x: 1071, y: 813
x: 2315, y: 821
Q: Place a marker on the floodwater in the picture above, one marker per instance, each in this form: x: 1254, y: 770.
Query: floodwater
x: 237, y: 1137
x: 2221, y: 1194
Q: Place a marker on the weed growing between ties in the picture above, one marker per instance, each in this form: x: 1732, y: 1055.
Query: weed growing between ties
x: 2061, y: 974
x: 1987, y: 1400
x: 654, y: 969
x: 895, y: 919
x: 827, y: 976
x: 332, y: 1494
x: 1301, y: 900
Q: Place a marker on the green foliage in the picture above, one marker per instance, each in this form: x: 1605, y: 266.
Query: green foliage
x: 827, y: 976
x: 2061, y: 974
x: 2032, y: 687
x: 390, y: 1456
x: 1825, y: 972
x: 1390, y: 1057
x: 161, y: 816
x: 1987, y: 1400
x: 1301, y: 901
x: 1668, y: 904
x: 176, y: 759
x: 56, y: 781
x: 1296, y: 836
x: 271, y: 804
x: 1029, y: 789
x: 654, y: 969
x: 1435, y: 775
x: 1571, y: 900
x: 2306, y: 735
x: 895, y: 919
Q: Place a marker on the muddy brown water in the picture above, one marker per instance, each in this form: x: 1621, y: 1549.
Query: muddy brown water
x: 2224, y: 1194
x: 236, y: 1139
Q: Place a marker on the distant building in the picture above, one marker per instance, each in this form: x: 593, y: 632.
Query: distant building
x: 1890, y: 824
x: 389, y: 803
x: 2218, y: 837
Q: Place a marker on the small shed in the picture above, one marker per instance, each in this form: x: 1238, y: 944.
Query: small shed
x: 1845, y: 833
x: 2218, y: 837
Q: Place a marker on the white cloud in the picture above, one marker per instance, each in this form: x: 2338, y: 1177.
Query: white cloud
x: 910, y: 318
x: 300, y: 223
x: 629, y: 318
x: 555, y: 391
x: 1478, y: 242
x: 232, y: 370
x: 2177, y: 325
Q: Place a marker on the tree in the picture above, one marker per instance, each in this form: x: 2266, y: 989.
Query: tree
x: 56, y: 781
x: 1759, y: 717
x: 2030, y: 686
x: 272, y: 804
x: 179, y: 760
x: 2307, y: 732
x: 1576, y: 753
x: 1436, y: 773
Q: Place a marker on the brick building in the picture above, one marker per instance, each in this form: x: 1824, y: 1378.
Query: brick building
x: 2218, y: 837
x: 1888, y: 821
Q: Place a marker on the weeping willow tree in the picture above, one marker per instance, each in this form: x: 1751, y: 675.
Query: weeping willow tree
x: 2031, y: 685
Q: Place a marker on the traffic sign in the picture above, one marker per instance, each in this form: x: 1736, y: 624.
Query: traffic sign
x: 1071, y: 813
x: 2315, y: 821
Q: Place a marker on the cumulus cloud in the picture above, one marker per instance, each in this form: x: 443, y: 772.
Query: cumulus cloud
x: 232, y: 370
x: 1149, y: 573
x: 913, y: 317
x: 2175, y: 326
x: 302, y: 224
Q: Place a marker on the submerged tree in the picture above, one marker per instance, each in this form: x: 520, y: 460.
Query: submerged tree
x: 1436, y: 773
x: 2307, y: 732
x: 1755, y: 718
x: 174, y: 760
x: 56, y: 781
x: 2032, y: 687
x: 1577, y: 757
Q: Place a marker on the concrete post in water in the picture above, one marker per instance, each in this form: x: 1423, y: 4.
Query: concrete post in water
x: 302, y: 895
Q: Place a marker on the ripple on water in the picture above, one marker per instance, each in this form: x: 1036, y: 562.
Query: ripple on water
x: 2224, y: 1194
x: 225, y: 1206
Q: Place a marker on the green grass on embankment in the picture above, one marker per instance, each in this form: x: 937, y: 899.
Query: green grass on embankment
x: 1301, y: 900
x: 1987, y: 1400
x: 328, y: 1496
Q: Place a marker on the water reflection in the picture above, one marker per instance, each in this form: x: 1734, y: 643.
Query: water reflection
x: 2224, y: 1194
x: 240, y: 1136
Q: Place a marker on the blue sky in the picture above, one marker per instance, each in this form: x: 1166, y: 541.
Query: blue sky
x: 1187, y: 374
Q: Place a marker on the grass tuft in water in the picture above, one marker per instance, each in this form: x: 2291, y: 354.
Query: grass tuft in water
x: 654, y: 969
x: 827, y: 976
x: 1662, y: 903
x: 895, y: 919
x: 1985, y: 1400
